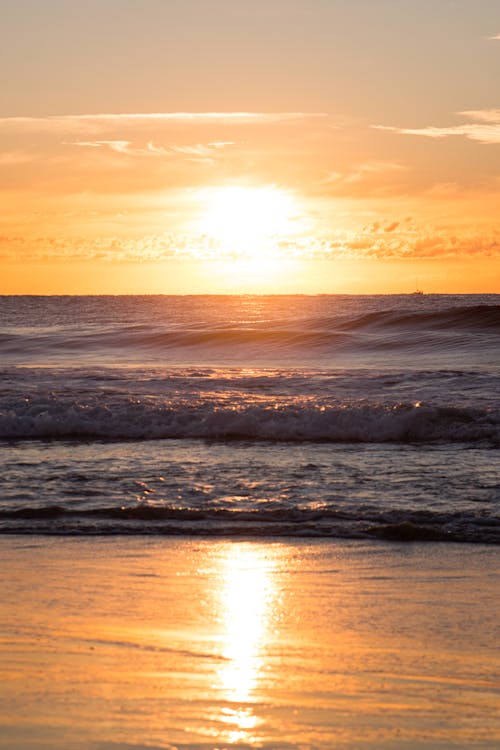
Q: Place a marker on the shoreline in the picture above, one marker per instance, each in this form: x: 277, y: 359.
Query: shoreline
x: 115, y: 539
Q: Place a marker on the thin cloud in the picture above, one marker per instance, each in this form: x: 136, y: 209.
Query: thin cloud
x: 192, y: 151
x: 484, y: 115
x: 222, y: 144
x: 486, y: 129
x: 99, y: 122
x: 364, y: 170
x: 121, y: 147
x: 497, y: 36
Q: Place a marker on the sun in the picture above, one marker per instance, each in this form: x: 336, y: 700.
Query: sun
x: 247, y: 222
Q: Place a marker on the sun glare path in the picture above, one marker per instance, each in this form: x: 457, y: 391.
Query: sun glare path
x: 246, y: 597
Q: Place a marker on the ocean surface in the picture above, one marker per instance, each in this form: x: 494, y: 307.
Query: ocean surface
x: 268, y: 416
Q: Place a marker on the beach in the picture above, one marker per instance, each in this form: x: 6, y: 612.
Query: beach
x: 194, y: 643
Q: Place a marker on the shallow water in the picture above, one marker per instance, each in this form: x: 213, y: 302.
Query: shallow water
x: 263, y: 489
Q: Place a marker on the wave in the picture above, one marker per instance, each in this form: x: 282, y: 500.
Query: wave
x: 296, y: 420
x: 475, y: 317
x: 383, y: 329
x: 358, y: 523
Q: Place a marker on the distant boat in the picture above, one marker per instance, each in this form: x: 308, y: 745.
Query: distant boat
x: 417, y: 290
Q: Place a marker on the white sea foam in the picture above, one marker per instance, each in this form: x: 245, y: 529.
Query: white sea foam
x: 123, y: 418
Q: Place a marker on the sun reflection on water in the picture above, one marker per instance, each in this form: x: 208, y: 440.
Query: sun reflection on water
x: 247, y: 594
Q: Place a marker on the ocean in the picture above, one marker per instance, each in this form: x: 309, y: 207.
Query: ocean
x: 353, y: 417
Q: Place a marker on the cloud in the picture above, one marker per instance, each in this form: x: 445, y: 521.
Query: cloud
x: 484, y: 115
x: 486, y: 130
x: 497, y: 36
x: 222, y: 144
x: 121, y: 147
x: 391, y: 227
x: 87, y: 123
x: 362, y: 171
x: 380, y: 240
x: 193, y: 152
x: 419, y: 244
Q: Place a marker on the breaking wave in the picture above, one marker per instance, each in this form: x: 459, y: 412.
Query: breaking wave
x: 297, y: 420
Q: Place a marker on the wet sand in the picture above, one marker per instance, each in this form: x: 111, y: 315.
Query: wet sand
x: 112, y: 643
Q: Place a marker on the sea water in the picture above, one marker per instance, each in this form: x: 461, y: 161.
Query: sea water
x: 270, y: 416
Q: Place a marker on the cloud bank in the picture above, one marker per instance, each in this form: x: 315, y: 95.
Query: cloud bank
x: 387, y: 240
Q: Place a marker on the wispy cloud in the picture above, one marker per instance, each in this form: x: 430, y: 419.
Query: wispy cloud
x: 363, y: 171
x: 121, y: 147
x: 104, y: 122
x: 221, y: 144
x: 486, y: 129
x: 193, y: 152
x: 497, y: 36
x: 483, y: 115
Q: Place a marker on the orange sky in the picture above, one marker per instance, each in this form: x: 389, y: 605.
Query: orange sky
x: 278, y: 146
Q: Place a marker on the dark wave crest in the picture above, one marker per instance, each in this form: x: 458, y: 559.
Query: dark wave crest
x: 475, y: 317
x: 357, y: 523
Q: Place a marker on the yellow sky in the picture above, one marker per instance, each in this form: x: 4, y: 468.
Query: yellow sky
x: 217, y: 147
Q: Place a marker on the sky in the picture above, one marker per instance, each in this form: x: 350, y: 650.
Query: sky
x: 275, y: 146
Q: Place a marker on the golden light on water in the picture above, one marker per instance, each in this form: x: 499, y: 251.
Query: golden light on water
x: 247, y: 596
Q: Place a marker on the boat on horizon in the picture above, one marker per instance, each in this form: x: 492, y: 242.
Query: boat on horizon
x: 417, y: 288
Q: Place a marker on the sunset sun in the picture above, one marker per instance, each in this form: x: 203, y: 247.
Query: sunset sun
x: 247, y: 222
